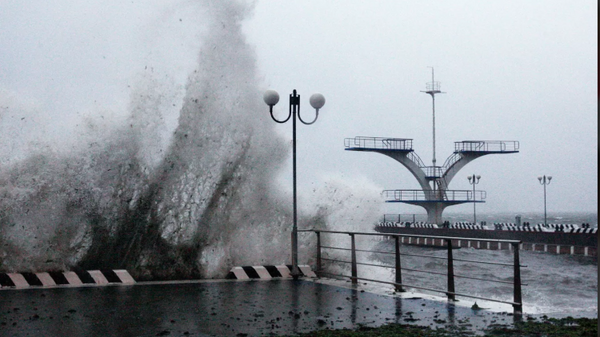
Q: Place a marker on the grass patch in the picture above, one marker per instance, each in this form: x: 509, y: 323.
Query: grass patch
x: 567, y: 327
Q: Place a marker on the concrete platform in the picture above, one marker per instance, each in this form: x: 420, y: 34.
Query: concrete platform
x: 223, y: 308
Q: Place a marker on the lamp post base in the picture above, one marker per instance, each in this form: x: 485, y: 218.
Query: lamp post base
x: 295, y: 272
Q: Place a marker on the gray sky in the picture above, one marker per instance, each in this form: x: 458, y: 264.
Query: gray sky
x: 511, y: 70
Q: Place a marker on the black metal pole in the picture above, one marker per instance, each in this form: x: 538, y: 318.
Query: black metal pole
x: 473, y: 180
x: 319, y: 263
x: 271, y: 98
x: 398, y: 266
x: 545, y: 216
x: 294, y: 102
x: 451, y: 289
x: 474, y: 204
x: 434, y: 160
x: 354, y: 269
x: 545, y: 180
x: 518, y: 308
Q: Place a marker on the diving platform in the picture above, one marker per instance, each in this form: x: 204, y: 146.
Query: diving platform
x: 486, y: 146
x: 362, y: 143
x: 434, y: 195
x: 449, y: 197
x: 401, y: 149
x: 434, y: 179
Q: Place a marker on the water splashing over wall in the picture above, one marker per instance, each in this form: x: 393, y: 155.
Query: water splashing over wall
x: 160, y: 198
x: 121, y: 198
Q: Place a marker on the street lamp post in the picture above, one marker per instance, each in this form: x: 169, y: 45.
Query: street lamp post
x: 474, y: 180
x: 271, y: 97
x: 545, y: 180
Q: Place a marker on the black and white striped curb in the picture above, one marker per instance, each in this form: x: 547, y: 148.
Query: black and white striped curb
x: 407, y: 224
x: 466, y: 226
x: 67, y: 278
x: 584, y: 230
x: 550, y: 228
x: 268, y: 272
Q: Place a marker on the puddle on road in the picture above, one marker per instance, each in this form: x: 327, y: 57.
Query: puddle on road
x: 251, y: 308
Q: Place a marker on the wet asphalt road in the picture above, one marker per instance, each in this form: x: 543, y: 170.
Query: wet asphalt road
x: 254, y: 308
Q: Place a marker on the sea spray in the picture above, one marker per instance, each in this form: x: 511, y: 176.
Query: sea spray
x: 347, y: 204
x: 115, y: 201
x: 19, y: 129
x: 127, y: 190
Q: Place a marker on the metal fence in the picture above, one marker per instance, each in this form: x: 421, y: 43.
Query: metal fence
x: 448, y: 242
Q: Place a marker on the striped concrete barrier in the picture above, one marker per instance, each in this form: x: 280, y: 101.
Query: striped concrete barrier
x: 267, y: 272
x: 67, y: 278
x: 407, y: 224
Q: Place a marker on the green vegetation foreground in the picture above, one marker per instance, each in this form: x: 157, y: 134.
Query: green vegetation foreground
x: 544, y: 327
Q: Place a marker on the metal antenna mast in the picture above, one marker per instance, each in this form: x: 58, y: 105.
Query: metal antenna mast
x: 433, y: 88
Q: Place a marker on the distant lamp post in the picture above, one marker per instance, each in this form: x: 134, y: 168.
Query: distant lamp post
x: 545, y: 180
x: 317, y: 101
x: 474, y: 180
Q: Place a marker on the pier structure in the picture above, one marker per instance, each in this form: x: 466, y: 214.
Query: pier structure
x: 434, y: 194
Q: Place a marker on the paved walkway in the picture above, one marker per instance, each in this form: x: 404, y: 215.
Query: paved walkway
x: 224, y: 308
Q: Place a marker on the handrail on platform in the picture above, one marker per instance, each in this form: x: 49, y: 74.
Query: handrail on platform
x: 448, y: 195
x: 379, y: 143
x: 450, y: 290
x: 486, y: 146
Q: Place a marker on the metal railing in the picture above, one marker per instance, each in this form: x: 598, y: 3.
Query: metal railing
x: 450, y: 290
x: 433, y: 86
x: 416, y: 159
x: 433, y: 171
x: 410, y: 217
x: 476, y: 146
x: 486, y: 146
x: 451, y: 160
x: 383, y: 143
x: 446, y: 195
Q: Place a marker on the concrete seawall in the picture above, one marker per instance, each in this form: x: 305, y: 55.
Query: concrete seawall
x: 552, y: 242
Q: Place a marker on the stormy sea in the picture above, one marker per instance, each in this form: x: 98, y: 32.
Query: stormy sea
x: 193, y: 198
x: 558, y: 285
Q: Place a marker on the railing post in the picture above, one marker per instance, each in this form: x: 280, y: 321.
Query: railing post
x: 451, y: 290
x: 518, y: 308
x: 398, y: 266
x: 319, y: 265
x: 354, y: 270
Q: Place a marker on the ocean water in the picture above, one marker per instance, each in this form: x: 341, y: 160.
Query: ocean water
x: 555, y: 284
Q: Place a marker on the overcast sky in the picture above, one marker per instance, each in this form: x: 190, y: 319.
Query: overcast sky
x: 511, y: 70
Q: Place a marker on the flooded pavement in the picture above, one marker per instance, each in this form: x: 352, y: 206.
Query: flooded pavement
x: 225, y: 308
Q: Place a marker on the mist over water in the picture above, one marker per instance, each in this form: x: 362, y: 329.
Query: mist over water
x: 187, y: 201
